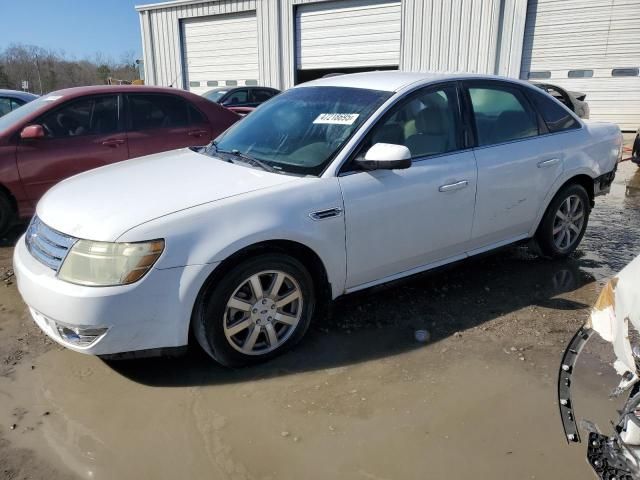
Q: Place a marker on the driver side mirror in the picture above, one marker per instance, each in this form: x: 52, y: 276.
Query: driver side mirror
x: 386, y: 156
x: 32, y: 132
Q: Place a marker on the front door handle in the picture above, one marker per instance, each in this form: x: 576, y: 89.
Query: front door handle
x: 548, y: 163
x: 196, y: 133
x: 113, y: 142
x: 454, y: 186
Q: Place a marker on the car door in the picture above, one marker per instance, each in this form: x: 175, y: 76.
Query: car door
x: 81, y: 134
x: 158, y: 122
x: 400, y: 221
x: 516, y: 166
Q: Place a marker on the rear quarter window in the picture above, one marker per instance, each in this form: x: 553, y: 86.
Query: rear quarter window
x: 555, y: 117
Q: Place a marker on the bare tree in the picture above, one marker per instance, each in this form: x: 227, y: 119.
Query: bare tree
x: 48, y: 70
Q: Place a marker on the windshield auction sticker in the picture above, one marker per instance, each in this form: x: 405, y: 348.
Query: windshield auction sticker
x: 337, y: 118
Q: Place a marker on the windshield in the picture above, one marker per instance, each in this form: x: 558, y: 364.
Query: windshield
x: 214, y: 95
x: 301, y: 130
x: 17, y: 115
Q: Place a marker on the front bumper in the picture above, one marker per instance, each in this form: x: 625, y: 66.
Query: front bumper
x: 151, y: 313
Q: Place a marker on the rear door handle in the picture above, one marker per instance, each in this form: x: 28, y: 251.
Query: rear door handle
x: 113, y: 142
x: 548, y: 163
x: 454, y: 186
x: 196, y: 133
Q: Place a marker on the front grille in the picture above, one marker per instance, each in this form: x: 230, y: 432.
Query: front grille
x: 47, y: 245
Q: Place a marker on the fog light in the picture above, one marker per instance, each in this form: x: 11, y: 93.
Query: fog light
x: 80, y: 336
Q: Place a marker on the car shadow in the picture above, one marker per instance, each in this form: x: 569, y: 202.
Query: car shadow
x: 382, y: 321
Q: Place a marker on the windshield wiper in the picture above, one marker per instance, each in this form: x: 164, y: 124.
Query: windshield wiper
x: 248, y: 159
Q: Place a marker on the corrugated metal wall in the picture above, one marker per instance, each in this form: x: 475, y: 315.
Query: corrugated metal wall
x: 471, y: 35
x: 598, y: 36
x: 481, y: 36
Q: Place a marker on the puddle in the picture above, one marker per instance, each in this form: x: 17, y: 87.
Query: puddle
x: 395, y: 419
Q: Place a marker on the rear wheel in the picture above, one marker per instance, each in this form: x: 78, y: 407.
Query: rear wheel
x: 7, y: 214
x: 564, y: 222
x: 258, y: 310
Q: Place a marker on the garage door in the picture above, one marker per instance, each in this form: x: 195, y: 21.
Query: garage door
x: 220, y: 50
x: 347, y: 34
x: 591, y: 47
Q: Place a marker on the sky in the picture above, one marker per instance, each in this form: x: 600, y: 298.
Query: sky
x: 81, y: 28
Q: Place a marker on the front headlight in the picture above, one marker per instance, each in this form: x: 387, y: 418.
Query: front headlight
x: 102, y: 264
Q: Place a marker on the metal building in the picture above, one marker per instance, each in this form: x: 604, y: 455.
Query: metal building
x: 198, y: 45
x: 590, y: 46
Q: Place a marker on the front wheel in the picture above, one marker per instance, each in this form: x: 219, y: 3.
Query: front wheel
x: 564, y: 222
x: 259, y: 309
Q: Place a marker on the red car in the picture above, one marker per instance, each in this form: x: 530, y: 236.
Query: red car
x: 77, y: 129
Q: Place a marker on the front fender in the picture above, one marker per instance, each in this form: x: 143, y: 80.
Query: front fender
x: 210, y: 233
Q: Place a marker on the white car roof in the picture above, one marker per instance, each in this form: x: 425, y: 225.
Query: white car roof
x: 390, y: 81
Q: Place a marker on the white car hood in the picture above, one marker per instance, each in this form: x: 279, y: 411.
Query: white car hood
x: 102, y: 204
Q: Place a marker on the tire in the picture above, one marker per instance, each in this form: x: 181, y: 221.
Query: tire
x: 557, y: 245
x: 7, y: 214
x: 238, y: 326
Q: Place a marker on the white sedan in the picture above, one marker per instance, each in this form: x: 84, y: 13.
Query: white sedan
x: 331, y: 187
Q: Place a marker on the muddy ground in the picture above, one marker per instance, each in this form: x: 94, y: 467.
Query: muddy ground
x: 360, y: 398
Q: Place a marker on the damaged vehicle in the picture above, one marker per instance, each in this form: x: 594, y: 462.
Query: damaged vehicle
x: 616, y: 319
x: 331, y: 187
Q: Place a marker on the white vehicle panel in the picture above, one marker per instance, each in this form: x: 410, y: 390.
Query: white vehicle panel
x: 102, y: 204
x: 513, y: 178
x: 401, y: 219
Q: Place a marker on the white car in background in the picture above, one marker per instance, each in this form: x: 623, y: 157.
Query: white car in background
x: 332, y: 187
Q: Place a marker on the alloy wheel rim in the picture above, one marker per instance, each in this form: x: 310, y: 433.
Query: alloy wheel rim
x: 568, y: 222
x: 263, y: 312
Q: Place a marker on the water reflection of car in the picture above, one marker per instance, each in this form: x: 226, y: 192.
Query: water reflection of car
x: 241, y: 99
x: 67, y: 132
x: 13, y: 99
x: 574, y: 101
x: 331, y: 187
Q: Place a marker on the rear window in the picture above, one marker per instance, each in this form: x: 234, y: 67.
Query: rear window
x: 555, y: 117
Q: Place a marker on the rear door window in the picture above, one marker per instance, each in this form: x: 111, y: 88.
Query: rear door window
x: 150, y: 111
x: 501, y: 114
x: 96, y: 115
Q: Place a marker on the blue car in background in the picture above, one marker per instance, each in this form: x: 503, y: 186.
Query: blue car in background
x: 12, y: 99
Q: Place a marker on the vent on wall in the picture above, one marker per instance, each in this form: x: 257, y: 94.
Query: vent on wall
x: 624, y: 72
x: 539, y: 75
x: 580, y: 73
